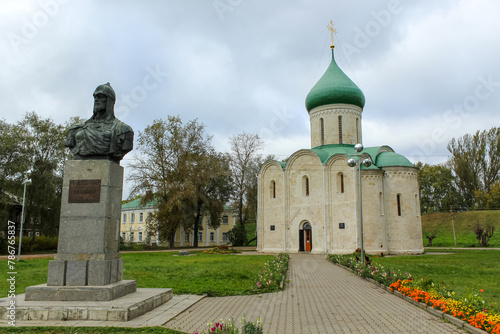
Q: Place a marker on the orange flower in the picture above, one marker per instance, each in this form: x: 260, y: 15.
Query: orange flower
x: 481, y: 290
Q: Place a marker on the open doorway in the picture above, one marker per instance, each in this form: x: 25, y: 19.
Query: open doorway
x: 305, y: 238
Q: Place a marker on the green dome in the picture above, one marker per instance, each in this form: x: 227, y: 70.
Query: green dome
x: 334, y: 87
x: 392, y: 159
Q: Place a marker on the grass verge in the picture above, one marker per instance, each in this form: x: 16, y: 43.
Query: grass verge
x: 464, y: 271
x: 211, y: 274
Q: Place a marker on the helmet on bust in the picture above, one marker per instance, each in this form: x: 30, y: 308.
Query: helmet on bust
x: 107, y: 90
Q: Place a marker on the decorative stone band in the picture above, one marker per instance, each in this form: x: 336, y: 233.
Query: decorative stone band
x: 401, y: 174
x: 336, y: 109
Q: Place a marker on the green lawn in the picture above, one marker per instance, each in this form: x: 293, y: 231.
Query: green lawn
x: 465, y: 271
x: 215, y: 275
x: 211, y: 274
x: 464, y: 228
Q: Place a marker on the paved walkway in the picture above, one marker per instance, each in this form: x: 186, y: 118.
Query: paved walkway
x: 321, y: 298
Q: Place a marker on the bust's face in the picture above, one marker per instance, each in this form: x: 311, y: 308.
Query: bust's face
x: 100, y: 104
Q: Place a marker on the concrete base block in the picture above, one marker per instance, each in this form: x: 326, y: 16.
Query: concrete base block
x: 121, y: 309
x: 43, y: 292
x: 76, y: 273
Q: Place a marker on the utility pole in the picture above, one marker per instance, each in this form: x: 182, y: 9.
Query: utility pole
x: 453, y: 225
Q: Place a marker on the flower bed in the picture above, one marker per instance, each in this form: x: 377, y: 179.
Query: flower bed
x: 273, y: 275
x: 221, y: 250
x: 470, y: 309
x: 380, y: 274
x: 223, y: 327
x: 438, y: 296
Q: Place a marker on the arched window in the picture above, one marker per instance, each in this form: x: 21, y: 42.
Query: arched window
x: 305, y: 186
x: 322, y: 124
x: 273, y: 189
x: 340, y: 183
x: 340, y: 129
x: 398, y: 198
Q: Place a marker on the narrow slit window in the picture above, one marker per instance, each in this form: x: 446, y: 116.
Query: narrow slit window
x: 305, y: 186
x: 398, y: 197
x: 340, y: 183
x: 340, y: 129
x: 381, y: 200
x: 322, y: 124
x: 357, y: 130
x: 273, y: 189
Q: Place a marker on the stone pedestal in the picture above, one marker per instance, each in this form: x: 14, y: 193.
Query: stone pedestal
x: 88, y: 250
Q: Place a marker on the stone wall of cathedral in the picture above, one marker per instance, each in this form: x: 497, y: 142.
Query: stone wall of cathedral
x: 403, y: 210
x: 327, y: 198
x: 349, y: 124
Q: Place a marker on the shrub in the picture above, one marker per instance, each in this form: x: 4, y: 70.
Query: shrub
x: 43, y: 243
x: 483, y: 234
x: 237, y: 235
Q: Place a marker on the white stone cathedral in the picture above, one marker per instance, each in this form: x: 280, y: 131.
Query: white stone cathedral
x: 311, y: 203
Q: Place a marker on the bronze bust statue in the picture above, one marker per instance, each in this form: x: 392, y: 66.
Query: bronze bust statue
x: 102, y: 136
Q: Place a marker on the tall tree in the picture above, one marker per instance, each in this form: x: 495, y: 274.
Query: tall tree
x: 179, y: 169
x: 438, y: 191
x: 475, y: 161
x: 244, y: 167
x: 488, y: 200
x: 35, y: 144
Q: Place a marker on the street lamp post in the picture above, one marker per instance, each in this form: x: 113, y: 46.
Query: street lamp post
x: 353, y: 163
x: 25, y: 182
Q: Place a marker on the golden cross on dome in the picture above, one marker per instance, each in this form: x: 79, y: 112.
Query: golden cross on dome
x: 332, y: 31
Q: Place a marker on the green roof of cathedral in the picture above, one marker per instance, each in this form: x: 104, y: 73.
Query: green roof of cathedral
x: 334, y: 87
x: 381, y: 156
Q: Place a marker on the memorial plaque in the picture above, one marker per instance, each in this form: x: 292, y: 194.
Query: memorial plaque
x: 84, y: 191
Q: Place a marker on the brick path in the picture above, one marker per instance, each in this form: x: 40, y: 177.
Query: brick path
x: 321, y: 298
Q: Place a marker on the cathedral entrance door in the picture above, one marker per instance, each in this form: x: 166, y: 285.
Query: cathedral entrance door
x: 308, y: 240
x: 307, y: 237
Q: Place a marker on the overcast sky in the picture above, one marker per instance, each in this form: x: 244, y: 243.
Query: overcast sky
x: 429, y: 69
